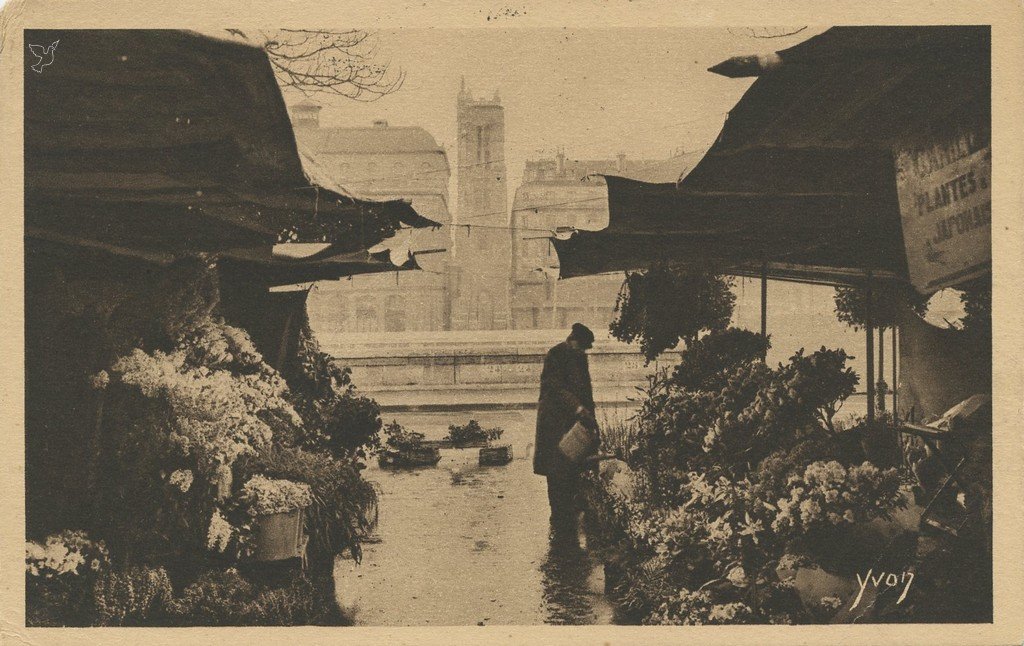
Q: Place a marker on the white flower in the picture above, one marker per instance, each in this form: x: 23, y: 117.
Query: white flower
x: 737, y: 576
x: 750, y: 527
x: 182, y: 479
x: 100, y: 380
x: 266, y: 496
x: 219, y: 534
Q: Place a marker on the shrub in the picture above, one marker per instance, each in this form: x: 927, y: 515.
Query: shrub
x: 131, y: 596
x: 398, y: 437
x: 344, y: 505
x: 887, y: 301
x: 704, y: 360
x: 226, y: 598
x: 738, y: 468
x: 353, y: 424
x: 59, y: 574
x: 337, y: 417
x: 662, y: 305
x: 471, y: 432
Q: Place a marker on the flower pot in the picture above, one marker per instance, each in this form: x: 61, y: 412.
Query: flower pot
x: 279, y: 536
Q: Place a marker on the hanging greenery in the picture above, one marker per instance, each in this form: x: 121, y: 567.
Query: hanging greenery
x: 661, y: 306
x: 887, y: 301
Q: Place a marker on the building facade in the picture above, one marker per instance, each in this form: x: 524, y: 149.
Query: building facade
x: 558, y: 195
x: 382, y: 162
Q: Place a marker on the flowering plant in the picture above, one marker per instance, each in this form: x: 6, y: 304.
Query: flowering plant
x: 181, y: 479
x: 100, y: 380
x: 263, y: 496
x: 830, y: 494
x: 698, y: 609
x: 220, y: 533
x: 218, y: 393
x: 69, y: 552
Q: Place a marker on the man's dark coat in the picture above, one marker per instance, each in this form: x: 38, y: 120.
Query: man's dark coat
x: 564, y: 386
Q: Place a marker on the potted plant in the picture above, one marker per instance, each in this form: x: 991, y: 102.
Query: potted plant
x: 276, y: 507
x: 403, y: 448
x: 472, y: 434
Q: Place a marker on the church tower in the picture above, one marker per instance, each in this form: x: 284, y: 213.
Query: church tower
x: 483, y: 197
x: 479, y: 286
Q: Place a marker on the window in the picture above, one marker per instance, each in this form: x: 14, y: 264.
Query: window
x: 366, y: 319
x: 394, y: 314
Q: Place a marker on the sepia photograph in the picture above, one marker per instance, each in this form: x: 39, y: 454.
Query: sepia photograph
x: 371, y: 326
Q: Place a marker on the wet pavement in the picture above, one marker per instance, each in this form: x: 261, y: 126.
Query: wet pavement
x: 461, y: 544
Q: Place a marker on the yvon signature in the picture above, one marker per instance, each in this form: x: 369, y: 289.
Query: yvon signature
x: 891, y: 580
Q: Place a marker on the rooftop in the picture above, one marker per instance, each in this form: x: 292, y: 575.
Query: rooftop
x: 378, y: 138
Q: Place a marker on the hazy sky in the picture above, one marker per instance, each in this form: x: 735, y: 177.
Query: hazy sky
x: 597, y: 92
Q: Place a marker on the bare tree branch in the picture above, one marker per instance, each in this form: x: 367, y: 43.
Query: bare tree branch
x: 767, y: 32
x: 334, y: 62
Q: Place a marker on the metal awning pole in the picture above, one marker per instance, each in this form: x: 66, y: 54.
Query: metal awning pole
x: 870, y: 329
x: 895, y: 376
x: 764, y: 304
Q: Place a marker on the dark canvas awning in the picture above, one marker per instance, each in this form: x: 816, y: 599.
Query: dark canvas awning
x: 173, y: 142
x: 802, y: 175
x: 262, y: 265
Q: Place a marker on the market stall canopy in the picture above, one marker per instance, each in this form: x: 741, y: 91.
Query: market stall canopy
x: 803, y: 175
x: 172, y: 142
x: 331, y: 264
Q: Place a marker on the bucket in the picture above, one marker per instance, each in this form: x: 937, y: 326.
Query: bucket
x: 279, y: 536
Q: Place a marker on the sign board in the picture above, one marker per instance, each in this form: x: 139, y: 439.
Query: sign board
x: 945, y: 198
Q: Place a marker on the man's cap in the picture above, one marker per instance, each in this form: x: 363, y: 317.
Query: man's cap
x: 582, y: 334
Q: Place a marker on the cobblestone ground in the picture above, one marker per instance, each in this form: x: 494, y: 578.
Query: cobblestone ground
x: 461, y: 544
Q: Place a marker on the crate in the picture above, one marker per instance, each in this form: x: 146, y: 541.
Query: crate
x: 496, y: 455
x: 419, y: 456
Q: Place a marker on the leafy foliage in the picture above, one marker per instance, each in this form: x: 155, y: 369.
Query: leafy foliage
x: 398, y: 437
x: 748, y: 411
x: 226, y: 598
x: 336, y: 416
x: 472, y: 432
x: 732, y: 474
x: 662, y: 305
x: 706, y: 359
x: 887, y: 301
x: 976, y: 297
x: 131, y: 596
x: 263, y: 496
x: 344, y: 507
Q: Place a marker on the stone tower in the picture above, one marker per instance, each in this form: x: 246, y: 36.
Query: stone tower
x: 483, y: 197
x: 481, y: 257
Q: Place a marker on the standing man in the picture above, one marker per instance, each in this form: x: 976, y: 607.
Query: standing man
x: 566, y: 396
